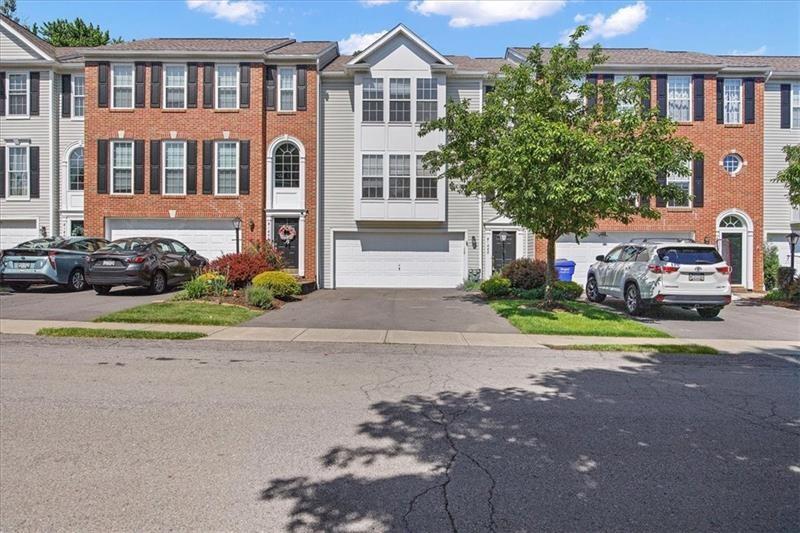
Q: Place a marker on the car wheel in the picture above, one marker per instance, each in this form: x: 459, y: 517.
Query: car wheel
x: 19, y: 287
x: 592, y: 291
x: 102, y: 289
x: 708, y: 312
x: 633, y: 300
x: 159, y: 283
x: 76, y: 280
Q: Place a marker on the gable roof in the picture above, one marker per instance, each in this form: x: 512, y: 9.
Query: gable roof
x: 42, y: 47
x: 391, y: 34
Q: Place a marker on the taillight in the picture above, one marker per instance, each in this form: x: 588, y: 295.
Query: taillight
x: 725, y: 270
x: 137, y: 259
x: 665, y: 269
x: 655, y: 269
x: 669, y: 269
x: 51, y: 256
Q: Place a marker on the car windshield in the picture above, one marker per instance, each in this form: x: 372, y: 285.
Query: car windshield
x: 38, y: 244
x: 690, y: 255
x: 126, y: 245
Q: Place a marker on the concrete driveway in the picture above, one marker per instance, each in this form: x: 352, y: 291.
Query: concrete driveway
x: 54, y: 303
x: 397, y: 309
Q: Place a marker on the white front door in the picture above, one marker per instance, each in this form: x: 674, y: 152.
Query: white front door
x: 210, y: 238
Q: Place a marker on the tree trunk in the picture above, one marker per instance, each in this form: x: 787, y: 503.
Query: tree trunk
x: 551, y: 269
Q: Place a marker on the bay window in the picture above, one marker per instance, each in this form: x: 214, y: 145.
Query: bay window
x: 679, y: 98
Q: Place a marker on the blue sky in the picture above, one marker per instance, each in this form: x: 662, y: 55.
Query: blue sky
x: 479, y: 29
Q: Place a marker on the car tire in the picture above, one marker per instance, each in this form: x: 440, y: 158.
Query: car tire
x: 19, y: 287
x: 158, y: 285
x: 593, y: 292
x: 76, y: 281
x: 633, y: 300
x: 708, y: 312
x: 102, y: 289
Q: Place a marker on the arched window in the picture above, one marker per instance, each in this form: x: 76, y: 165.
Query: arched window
x: 76, y: 170
x: 731, y: 221
x: 287, y: 165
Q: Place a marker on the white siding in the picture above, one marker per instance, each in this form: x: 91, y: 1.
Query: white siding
x: 777, y: 211
x: 13, y: 49
x: 69, y: 134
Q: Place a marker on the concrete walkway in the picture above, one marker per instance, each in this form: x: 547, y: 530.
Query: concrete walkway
x: 376, y: 336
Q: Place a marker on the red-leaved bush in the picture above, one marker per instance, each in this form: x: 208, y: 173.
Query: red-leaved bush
x: 242, y: 267
x: 526, y: 274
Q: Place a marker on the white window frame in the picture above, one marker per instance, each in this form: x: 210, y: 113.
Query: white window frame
x: 725, y: 100
x: 217, y: 85
x: 382, y: 100
x: 27, y: 94
x: 418, y: 177
x: 691, y: 110
x: 794, y: 105
x: 417, y: 99
x: 382, y: 176
x: 293, y: 89
x: 409, y: 177
x: 678, y: 178
x: 83, y: 96
x: 164, y: 168
x: 132, y: 85
x: 17, y: 198
x: 216, y: 168
x: 112, y: 168
x: 410, y: 100
x: 70, y: 153
x: 164, y: 84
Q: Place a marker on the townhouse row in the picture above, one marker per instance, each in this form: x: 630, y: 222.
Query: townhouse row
x: 212, y: 140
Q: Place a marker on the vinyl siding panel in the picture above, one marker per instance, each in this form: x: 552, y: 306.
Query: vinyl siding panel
x: 777, y: 211
x: 13, y: 49
x: 69, y: 134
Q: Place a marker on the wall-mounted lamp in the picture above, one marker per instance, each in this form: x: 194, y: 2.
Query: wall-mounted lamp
x: 251, y: 225
x: 474, y: 242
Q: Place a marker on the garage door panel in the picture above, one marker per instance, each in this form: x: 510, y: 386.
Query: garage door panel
x: 14, y: 232
x: 209, y: 237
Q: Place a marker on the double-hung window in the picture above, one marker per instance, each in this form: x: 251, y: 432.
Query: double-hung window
x: 683, y: 181
x: 399, y: 100
x: 372, y: 100
x: 227, y: 86
x: 227, y: 168
x: 18, y: 94
x: 286, y: 82
x: 174, y: 167
x: 78, y: 95
x: 371, y: 176
x: 426, y: 181
x: 122, y: 86
x: 427, y: 104
x: 732, y: 100
x: 175, y: 87
x: 122, y: 167
x: 679, y: 98
x: 76, y: 170
x: 399, y: 176
x: 795, y: 105
x: 18, y: 173
x: 623, y: 106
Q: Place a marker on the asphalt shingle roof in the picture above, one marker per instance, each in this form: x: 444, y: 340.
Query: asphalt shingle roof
x: 779, y: 63
x: 196, y: 45
x: 642, y: 56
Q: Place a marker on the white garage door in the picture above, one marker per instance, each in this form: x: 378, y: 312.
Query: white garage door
x: 784, y: 251
x: 399, y: 260
x: 590, y: 247
x: 14, y: 232
x: 209, y: 237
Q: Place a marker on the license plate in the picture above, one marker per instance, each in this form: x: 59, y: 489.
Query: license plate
x: 108, y: 262
x: 697, y: 277
x: 23, y: 266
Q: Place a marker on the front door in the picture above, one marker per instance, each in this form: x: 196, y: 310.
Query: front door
x: 734, y: 256
x: 504, y: 249
x: 286, y: 236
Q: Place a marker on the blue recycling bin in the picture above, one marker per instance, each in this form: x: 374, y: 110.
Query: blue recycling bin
x: 565, y: 269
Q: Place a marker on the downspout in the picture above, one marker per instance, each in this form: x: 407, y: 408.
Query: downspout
x: 481, y: 259
x: 318, y: 193
x: 54, y: 175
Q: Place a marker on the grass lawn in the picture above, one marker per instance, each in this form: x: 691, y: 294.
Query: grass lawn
x: 581, y: 319
x: 120, y: 333
x: 695, y: 349
x: 198, y: 313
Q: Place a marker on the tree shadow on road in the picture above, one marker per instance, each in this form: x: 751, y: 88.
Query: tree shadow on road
x: 651, y: 445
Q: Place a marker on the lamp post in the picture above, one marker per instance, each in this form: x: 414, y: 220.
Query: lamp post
x: 237, y: 225
x: 792, y: 238
x: 503, y: 238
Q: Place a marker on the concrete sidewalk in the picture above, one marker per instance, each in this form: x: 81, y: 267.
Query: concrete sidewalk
x: 375, y: 336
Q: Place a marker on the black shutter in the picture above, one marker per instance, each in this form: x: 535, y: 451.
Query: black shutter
x: 244, y: 85
x: 270, y: 99
x: 244, y: 167
x: 102, y: 85
x: 34, y: 91
x: 302, y: 88
x: 786, y: 106
x: 155, y: 167
x: 591, y: 100
x: 2, y: 171
x: 155, y: 85
x: 191, y: 167
x: 720, y: 101
x: 139, y: 85
x: 2, y: 96
x: 191, y: 85
x: 102, y: 166
x: 661, y: 94
x: 662, y: 181
x: 697, y: 182
x: 699, y: 97
x: 33, y: 152
x: 208, y: 167
x: 646, y: 100
x: 138, y: 166
x: 66, y: 95
x: 749, y: 101
x: 208, y: 85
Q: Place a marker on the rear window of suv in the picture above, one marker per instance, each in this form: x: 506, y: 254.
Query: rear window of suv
x: 690, y: 255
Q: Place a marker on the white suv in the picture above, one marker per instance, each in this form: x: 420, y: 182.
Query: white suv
x: 646, y: 272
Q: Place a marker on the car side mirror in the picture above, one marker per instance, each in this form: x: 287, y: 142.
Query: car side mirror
x: 192, y: 252
x: 601, y: 258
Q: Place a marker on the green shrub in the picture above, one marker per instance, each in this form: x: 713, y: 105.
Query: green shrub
x: 281, y: 284
x: 259, y: 296
x: 785, y: 278
x: 207, y: 284
x: 470, y: 285
x: 496, y: 286
x: 526, y: 273
x: 771, y: 265
x: 775, y: 295
x: 195, y: 289
x: 794, y: 292
x: 566, y: 290
x: 530, y: 294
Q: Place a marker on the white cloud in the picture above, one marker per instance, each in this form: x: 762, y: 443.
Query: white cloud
x: 621, y: 22
x: 359, y: 41
x: 243, y: 12
x: 373, y: 3
x: 486, y: 12
x: 760, y: 51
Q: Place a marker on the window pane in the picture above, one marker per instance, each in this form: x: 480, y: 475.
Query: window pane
x: 18, y: 82
x: 399, y: 111
x: 732, y: 101
x: 372, y: 100
x: 17, y: 94
x: 226, y: 86
x: 226, y: 98
x: 173, y: 155
x: 399, y: 89
x: 372, y: 111
x: 174, y: 83
x: 287, y: 166
x: 287, y: 78
x: 123, y: 75
x: 226, y: 75
x: 678, y: 98
x: 426, y: 111
x: 76, y: 170
x: 372, y: 176
x: 123, y: 97
x: 287, y: 100
x: 78, y: 95
x: 372, y: 88
x: 226, y: 182
x: 17, y: 171
x: 226, y: 167
x: 399, y: 100
x: 122, y: 161
x: 175, y: 75
x: 123, y: 154
x: 399, y: 176
x: 426, y: 181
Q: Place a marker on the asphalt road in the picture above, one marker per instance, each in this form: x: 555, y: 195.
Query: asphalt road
x: 130, y: 436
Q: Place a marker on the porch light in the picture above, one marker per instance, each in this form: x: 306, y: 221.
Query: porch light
x: 792, y: 239
x: 237, y: 223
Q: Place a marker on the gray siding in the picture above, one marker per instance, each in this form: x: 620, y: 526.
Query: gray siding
x: 777, y: 211
x: 13, y: 49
